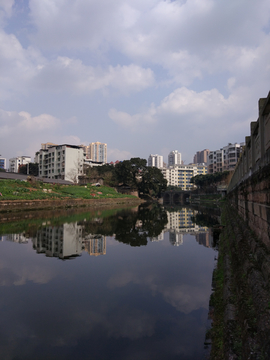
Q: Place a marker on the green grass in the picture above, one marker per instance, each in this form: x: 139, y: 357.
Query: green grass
x: 22, y: 190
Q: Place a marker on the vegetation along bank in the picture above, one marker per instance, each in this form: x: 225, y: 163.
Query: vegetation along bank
x: 18, y: 195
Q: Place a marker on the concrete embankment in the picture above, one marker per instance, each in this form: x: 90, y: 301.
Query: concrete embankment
x: 241, y: 300
x: 21, y: 205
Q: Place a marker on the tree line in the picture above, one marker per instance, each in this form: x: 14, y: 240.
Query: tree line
x: 134, y: 173
x: 214, y: 179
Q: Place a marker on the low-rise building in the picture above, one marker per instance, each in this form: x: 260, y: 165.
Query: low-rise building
x: 180, y: 175
x: 16, y: 162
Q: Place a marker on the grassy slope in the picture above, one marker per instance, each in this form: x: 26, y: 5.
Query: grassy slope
x: 22, y: 190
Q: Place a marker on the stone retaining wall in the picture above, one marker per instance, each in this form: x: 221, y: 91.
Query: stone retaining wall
x: 244, y: 321
x: 19, y: 205
x: 252, y: 200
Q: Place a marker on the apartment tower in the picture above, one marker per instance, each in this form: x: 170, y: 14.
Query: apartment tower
x: 155, y: 160
x: 201, y: 156
x: 97, y: 151
x: 174, y: 158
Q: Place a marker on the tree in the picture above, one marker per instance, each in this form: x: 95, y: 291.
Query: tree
x: 29, y: 169
x: 152, y: 182
x: 135, y: 173
x: 174, y: 188
x: 209, y: 179
x: 130, y: 171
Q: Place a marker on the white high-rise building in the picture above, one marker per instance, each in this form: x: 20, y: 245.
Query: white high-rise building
x: 155, y: 160
x: 60, y: 162
x: 174, y: 158
x: 15, y: 163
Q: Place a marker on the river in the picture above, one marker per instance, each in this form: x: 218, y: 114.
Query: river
x: 107, y: 284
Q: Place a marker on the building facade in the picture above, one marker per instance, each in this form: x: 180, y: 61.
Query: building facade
x: 155, y: 161
x: 180, y: 175
x: 225, y: 158
x: 61, y: 162
x: 174, y: 158
x: 201, y: 156
x: 15, y: 163
x: 3, y: 163
x: 97, y: 152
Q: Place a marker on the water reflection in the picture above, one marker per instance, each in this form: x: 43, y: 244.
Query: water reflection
x: 137, y: 302
x: 134, y: 228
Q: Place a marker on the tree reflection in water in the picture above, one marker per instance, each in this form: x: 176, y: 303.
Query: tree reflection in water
x: 129, y: 227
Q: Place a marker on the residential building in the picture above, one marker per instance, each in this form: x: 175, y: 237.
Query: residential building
x: 225, y: 158
x: 155, y: 160
x: 174, y: 158
x: 201, y: 156
x: 15, y: 163
x: 60, y: 162
x: 96, y: 151
x: 3, y: 163
x: 180, y: 175
x: 47, y: 145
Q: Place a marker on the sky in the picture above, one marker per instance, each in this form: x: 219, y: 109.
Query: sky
x: 145, y: 77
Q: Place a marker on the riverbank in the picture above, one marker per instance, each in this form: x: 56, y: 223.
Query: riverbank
x: 241, y: 299
x: 17, y: 195
x: 25, y: 205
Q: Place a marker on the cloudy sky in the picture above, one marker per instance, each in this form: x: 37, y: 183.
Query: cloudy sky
x: 142, y: 76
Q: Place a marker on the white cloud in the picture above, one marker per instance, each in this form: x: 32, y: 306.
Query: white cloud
x: 65, y: 74
x: 197, y: 107
x: 37, y: 123
x: 205, y: 118
x: 133, y: 122
x: 6, y: 8
x: 116, y: 154
x: 17, y: 65
x: 21, y: 133
x: 183, y: 297
x: 12, y: 122
x: 180, y: 68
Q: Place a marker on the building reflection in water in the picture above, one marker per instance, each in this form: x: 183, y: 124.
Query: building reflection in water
x: 95, y: 245
x: 180, y: 223
x: 63, y: 241
x: 18, y: 238
x: 67, y: 241
x: 71, y: 239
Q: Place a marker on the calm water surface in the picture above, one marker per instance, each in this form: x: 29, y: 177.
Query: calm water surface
x: 123, y: 285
